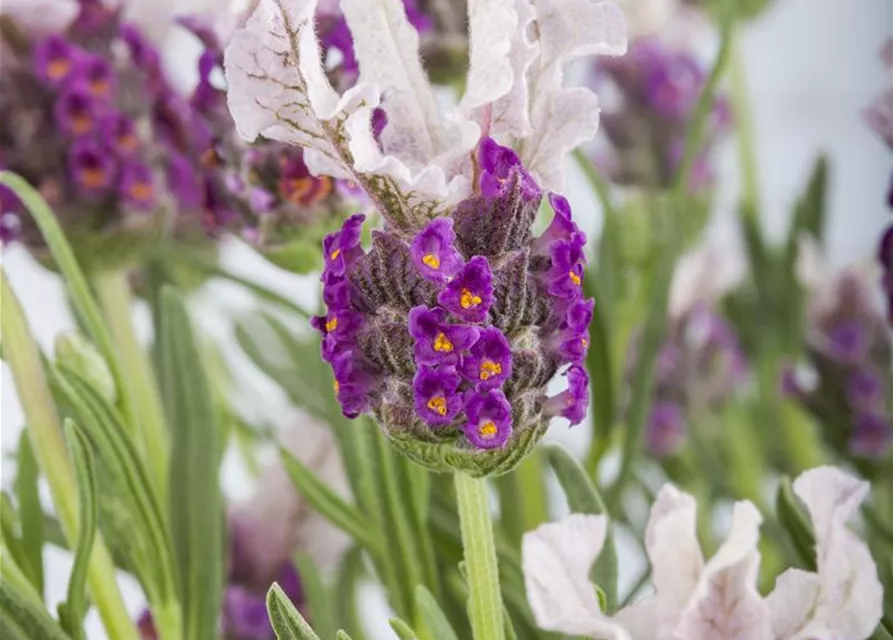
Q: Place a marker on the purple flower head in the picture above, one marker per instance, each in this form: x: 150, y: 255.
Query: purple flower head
x: 665, y: 431
x: 436, y: 340
x: 434, y: 252
x: 137, y: 186
x: 848, y: 342
x: 342, y: 248
x: 564, y: 279
x: 143, y: 54
x: 489, y: 418
x: 562, y: 227
x: 297, y: 185
x: 206, y: 96
x: 183, y: 181
x: 97, y: 76
x: 92, y: 168
x: 865, y: 390
x: 673, y: 84
x: 119, y: 133
x: 468, y: 296
x: 339, y: 330
x: 574, y: 401
x: 572, y: 341
x: 77, y: 111
x: 501, y: 169
x: 437, y: 400
x: 871, y: 436
x: 56, y: 59
x: 244, y: 609
x: 353, y: 384
x: 489, y: 363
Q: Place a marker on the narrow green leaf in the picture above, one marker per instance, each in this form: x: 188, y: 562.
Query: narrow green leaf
x: 288, y: 623
x: 25, y: 619
x: 195, y: 503
x: 9, y: 532
x: 321, y: 609
x: 414, y: 483
x: 795, y: 521
x: 510, y: 633
x: 72, y: 611
x: 435, y: 619
x: 333, y: 507
x: 349, y: 574
x: 583, y: 497
x: 78, y: 290
x: 29, y: 510
x: 342, y: 635
x: 403, y: 630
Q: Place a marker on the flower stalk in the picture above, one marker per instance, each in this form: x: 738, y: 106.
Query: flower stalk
x: 482, y: 573
x: 45, y: 432
x: 113, y: 291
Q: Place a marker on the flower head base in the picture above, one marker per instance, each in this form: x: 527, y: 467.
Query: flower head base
x: 455, y: 367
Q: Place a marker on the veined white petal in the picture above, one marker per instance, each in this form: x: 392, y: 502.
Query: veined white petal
x: 556, y: 559
x: 726, y: 603
x: 387, y: 48
x: 845, y: 600
x: 563, y: 118
x: 492, y: 25
x: 676, y: 560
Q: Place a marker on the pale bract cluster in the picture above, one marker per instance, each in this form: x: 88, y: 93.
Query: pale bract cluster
x: 423, y: 160
x: 716, y: 599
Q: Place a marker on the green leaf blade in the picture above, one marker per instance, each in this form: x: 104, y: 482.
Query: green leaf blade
x: 288, y: 623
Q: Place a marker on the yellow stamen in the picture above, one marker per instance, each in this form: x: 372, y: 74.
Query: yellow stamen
x: 575, y: 278
x: 335, y: 254
x: 82, y: 123
x: 490, y: 369
x: 469, y: 300
x: 488, y: 429
x: 442, y: 343
x: 332, y: 324
x: 431, y: 260
x: 438, y: 404
x: 210, y: 158
x: 128, y: 142
x: 336, y: 387
x: 584, y: 342
x: 100, y: 87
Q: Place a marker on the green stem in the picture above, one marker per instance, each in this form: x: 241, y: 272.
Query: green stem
x: 476, y: 523
x: 45, y: 432
x: 113, y: 291
x: 744, y: 130
x: 599, y: 186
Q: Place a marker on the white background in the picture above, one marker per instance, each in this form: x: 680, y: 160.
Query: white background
x: 812, y: 67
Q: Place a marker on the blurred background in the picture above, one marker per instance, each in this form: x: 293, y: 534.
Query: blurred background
x: 811, y: 65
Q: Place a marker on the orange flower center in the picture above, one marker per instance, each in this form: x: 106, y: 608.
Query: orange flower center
x: 575, y: 278
x: 82, y: 123
x: 584, y: 342
x: 438, y: 404
x: 210, y: 158
x: 332, y: 324
x: 140, y: 191
x: 100, y: 87
x: 490, y: 369
x: 93, y: 178
x: 442, y: 343
x: 58, y: 68
x: 336, y: 387
x: 431, y: 260
x: 128, y: 142
x: 335, y: 254
x: 487, y: 429
x: 469, y: 300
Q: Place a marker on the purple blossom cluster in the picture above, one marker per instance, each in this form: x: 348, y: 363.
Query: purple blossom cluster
x: 699, y: 366
x: 74, y: 115
x: 846, y: 385
x: 655, y: 90
x: 450, y: 333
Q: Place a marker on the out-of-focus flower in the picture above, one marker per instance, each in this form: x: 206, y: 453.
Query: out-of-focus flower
x: 701, y: 363
x: 850, y: 355
x: 879, y: 117
x: 77, y: 120
x: 655, y: 89
x: 716, y: 599
x: 457, y: 256
x: 266, y: 531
